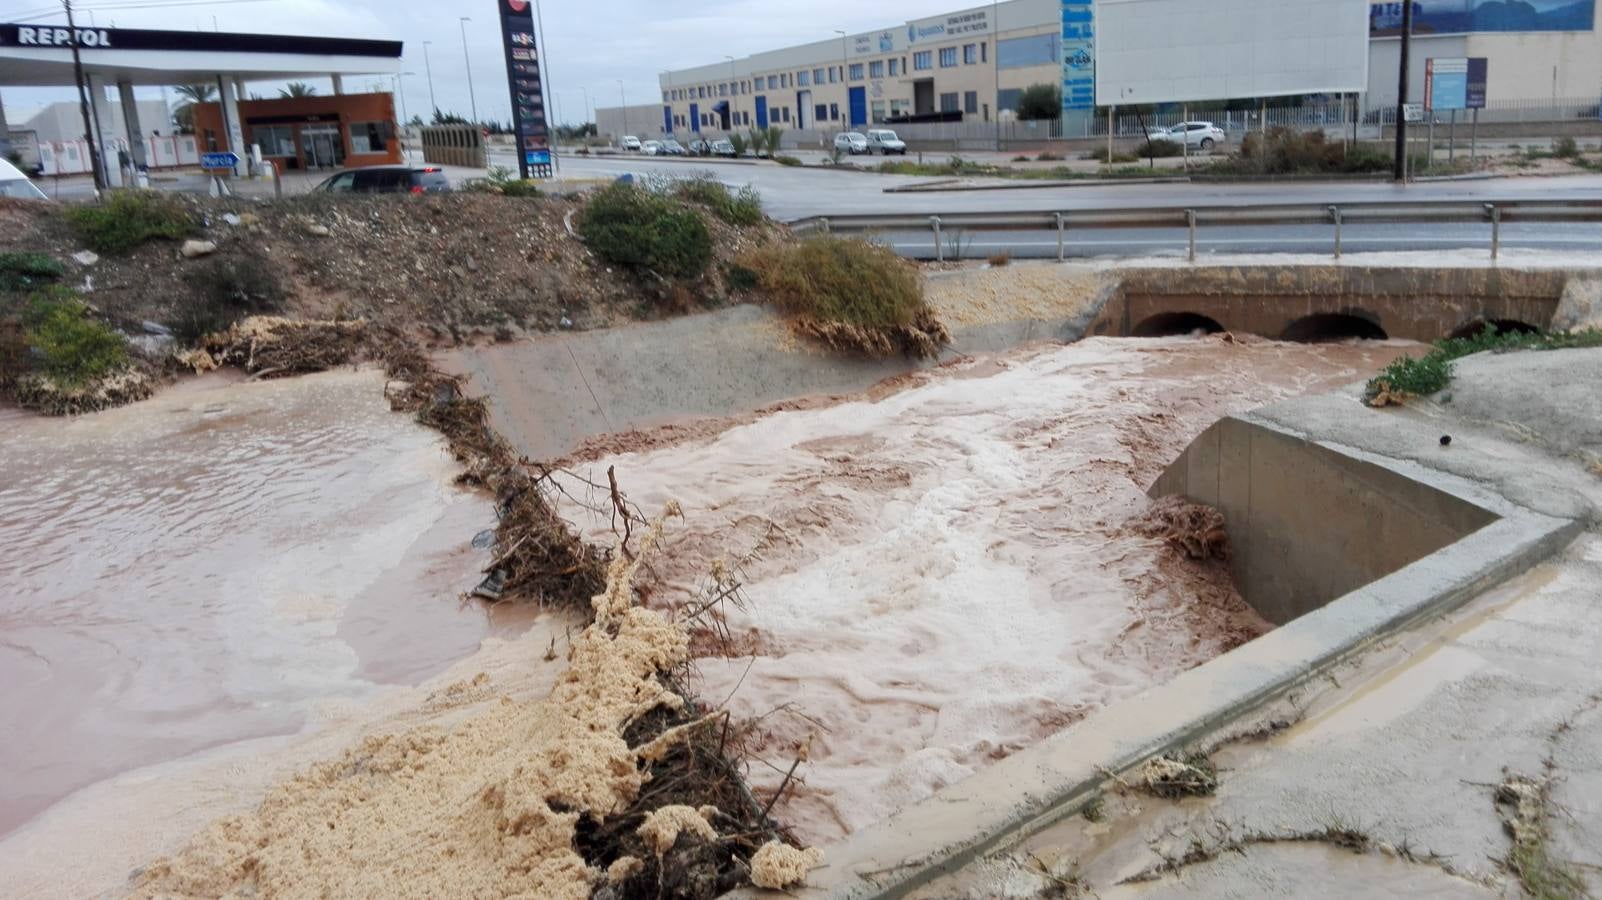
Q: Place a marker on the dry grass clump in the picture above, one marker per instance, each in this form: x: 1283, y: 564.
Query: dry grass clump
x: 271, y: 347
x: 850, y: 295
x: 1176, y: 775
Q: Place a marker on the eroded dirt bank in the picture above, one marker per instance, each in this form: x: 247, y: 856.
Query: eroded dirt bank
x: 939, y: 577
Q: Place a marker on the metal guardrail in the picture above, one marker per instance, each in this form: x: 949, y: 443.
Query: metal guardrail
x: 1192, y: 218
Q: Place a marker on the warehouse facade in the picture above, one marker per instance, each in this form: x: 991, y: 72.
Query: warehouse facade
x: 971, y: 65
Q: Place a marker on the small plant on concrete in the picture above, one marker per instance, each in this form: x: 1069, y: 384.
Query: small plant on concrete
x: 26, y: 271
x: 1095, y: 810
x: 1175, y: 775
x: 1429, y: 374
x: 628, y: 225
x: 1524, y: 803
x: 72, y: 347
x: 126, y: 219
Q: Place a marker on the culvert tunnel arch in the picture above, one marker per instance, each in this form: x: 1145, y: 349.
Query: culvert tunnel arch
x: 1171, y: 324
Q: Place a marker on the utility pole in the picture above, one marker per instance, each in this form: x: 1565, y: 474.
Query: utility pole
x: 472, y: 98
x: 845, y: 82
x: 1401, y: 92
x: 430, y: 70
x: 96, y: 163
x: 623, y: 96
x: 542, y: 46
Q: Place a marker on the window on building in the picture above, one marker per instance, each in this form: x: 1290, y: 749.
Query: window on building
x: 275, y: 140
x: 1024, y: 52
x: 666, y: 98
x: 900, y: 108
x: 949, y: 103
x: 834, y: 74
x: 723, y: 90
x: 948, y: 57
x: 784, y: 80
x: 785, y: 113
x: 970, y: 103
x: 821, y: 112
x: 876, y: 112
x: 923, y: 60
x: 895, y: 67
x: 818, y: 76
x: 834, y: 112
x: 856, y: 71
x: 876, y: 69
x: 369, y: 137
x: 773, y: 82
x: 803, y: 78
x: 984, y: 52
x: 970, y: 54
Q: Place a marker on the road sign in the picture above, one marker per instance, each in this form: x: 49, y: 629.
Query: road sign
x: 1413, y: 112
x: 212, y: 161
x: 1455, y: 83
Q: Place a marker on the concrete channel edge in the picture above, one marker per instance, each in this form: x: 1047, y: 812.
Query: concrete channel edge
x: 1019, y: 796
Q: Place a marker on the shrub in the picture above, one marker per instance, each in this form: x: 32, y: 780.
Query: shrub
x: 126, y: 219
x: 839, y: 280
x: 1285, y: 151
x: 630, y: 226
x: 73, y: 349
x: 1159, y: 147
x: 1565, y: 148
x: 787, y: 160
x: 26, y: 271
x: 1040, y: 101
x: 1431, y: 373
x: 1115, y: 158
x: 225, y: 290
x: 504, y: 181
x: 740, y: 279
x: 1020, y: 159
x: 1048, y: 156
x: 739, y: 143
x: 743, y: 207
x: 997, y: 260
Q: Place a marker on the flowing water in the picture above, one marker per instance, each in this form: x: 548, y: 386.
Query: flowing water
x: 217, y: 564
x: 939, y: 577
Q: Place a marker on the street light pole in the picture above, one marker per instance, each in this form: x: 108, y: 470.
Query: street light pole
x: 96, y: 162
x: 472, y: 98
x: 734, y: 93
x: 623, y: 95
x: 845, y: 81
x: 434, y: 104
x: 400, y: 88
x: 588, y: 117
x: 1401, y: 93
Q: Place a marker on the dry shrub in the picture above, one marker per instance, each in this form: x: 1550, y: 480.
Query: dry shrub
x: 1176, y: 775
x: 850, y: 295
x: 226, y: 290
x: 997, y: 260
x: 268, y: 347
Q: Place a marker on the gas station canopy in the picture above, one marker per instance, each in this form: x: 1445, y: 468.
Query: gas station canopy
x: 41, y: 55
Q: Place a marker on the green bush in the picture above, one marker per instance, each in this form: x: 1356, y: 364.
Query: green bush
x: 1565, y: 148
x: 126, y: 219
x: 72, y: 347
x: 742, y: 207
x: 1158, y: 148
x: 224, y: 291
x: 1101, y: 155
x: 26, y: 271
x: 1432, y: 372
x: 839, y: 280
x: 1286, y: 151
x: 503, y: 181
x: 630, y: 226
x: 740, y: 279
x: 786, y: 160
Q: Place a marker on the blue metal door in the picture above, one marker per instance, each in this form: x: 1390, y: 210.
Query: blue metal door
x: 695, y: 117
x: 859, y: 106
x: 762, y: 111
x: 667, y: 120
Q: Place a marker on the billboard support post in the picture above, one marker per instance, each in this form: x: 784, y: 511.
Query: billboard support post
x: 1451, y: 140
x: 1474, y: 136
x: 1401, y: 93
x: 529, y: 127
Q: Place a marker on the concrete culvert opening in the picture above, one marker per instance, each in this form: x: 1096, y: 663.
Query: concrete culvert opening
x: 1176, y: 323
x: 1503, y: 326
x: 1328, y: 327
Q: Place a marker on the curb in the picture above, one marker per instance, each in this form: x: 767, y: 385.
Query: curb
x: 1027, y: 185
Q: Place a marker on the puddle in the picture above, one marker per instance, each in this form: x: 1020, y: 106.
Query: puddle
x: 220, y: 563
x: 942, y: 577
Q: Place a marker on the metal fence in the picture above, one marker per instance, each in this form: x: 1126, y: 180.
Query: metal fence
x: 949, y: 230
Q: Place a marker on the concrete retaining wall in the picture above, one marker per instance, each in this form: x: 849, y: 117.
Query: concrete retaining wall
x: 1308, y: 524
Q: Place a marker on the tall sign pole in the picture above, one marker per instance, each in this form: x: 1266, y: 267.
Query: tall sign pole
x: 528, y: 91
x: 97, y: 163
x: 1401, y: 91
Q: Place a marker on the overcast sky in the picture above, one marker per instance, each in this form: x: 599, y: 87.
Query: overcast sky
x: 591, y: 44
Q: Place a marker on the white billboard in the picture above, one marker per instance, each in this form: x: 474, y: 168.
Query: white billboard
x: 1175, y: 51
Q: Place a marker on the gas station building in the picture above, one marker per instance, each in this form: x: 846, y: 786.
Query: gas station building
x: 308, y: 132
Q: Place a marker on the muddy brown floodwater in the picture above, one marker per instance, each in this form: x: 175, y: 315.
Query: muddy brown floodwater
x: 942, y: 576
x: 227, y: 561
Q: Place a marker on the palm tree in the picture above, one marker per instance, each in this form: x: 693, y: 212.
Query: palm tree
x: 184, y: 115
x: 298, y: 89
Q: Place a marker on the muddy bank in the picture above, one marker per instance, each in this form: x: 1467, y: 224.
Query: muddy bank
x: 942, y: 576
x: 227, y: 561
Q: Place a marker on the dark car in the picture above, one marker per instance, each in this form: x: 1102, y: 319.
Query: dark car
x: 387, y: 180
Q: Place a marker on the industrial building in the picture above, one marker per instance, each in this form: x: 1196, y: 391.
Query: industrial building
x: 970, y: 65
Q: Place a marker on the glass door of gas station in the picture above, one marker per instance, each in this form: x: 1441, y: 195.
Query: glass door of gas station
x: 322, y: 146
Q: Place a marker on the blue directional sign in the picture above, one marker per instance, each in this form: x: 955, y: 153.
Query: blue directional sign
x: 219, y: 160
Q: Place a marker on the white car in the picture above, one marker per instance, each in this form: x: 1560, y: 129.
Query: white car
x: 883, y: 140
x: 851, y: 142
x: 630, y: 142
x: 1198, y: 135
x: 16, y: 185
x: 653, y: 148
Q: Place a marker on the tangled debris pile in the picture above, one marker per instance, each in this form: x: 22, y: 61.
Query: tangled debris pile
x: 501, y: 805
x: 1176, y: 775
x: 1194, y: 530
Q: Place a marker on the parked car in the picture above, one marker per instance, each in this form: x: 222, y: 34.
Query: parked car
x: 724, y: 149
x: 1203, y: 135
x: 883, y: 140
x: 700, y: 147
x: 652, y: 148
x: 851, y: 142
x: 673, y: 148
x: 632, y: 143
x: 16, y: 185
x: 387, y: 180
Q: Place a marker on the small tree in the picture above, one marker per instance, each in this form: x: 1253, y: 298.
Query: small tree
x: 298, y: 89
x: 758, y: 141
x: 1040, y: 101
x: 774, y: 133
x: 741, y: 144
x: 184, y: 114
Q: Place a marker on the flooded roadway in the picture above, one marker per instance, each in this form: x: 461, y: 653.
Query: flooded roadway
x: 226, y: 561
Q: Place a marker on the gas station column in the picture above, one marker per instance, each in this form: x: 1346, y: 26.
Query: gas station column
x: 339, y: 84
x: 130, y: 117
x: 5, y: 131
x: 230, y: 111
x: 105, y: 136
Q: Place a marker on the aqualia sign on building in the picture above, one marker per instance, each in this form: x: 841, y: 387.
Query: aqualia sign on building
x: 1078, y: 55
x: 1470, y: 16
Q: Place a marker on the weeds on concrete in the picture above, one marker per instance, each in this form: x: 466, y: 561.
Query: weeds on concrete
x: 1063, y: 886
x: 1177, y: 775
x: 1523, y: 803
x: 125, y: 219
x: 1410, y: 377
x: 1095, y: 810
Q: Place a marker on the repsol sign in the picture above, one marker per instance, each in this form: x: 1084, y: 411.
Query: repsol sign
x: 62, y: 37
